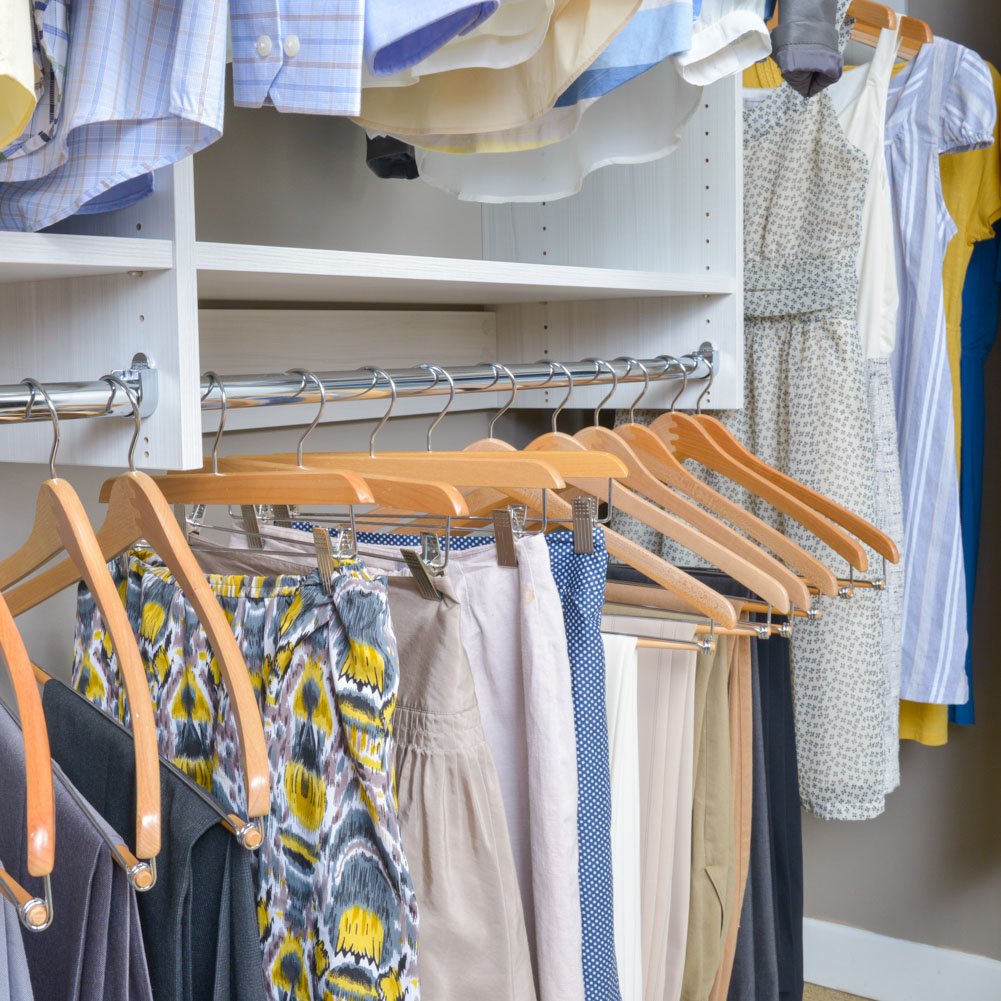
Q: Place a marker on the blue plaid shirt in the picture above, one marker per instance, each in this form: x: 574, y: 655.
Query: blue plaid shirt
x: 125, y: 88
x: 298, y: 55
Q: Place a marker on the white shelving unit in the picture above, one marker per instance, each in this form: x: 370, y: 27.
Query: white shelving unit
x: 276, y: 248
x: 237, y: 272
x: 31, y: 257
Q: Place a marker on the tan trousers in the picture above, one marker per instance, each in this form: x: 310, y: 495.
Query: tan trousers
x: 742, y: 769
x: 712, y: 825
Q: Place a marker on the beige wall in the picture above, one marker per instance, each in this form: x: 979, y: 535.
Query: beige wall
x: 929, y: 870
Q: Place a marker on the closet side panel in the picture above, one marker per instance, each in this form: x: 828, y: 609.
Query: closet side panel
x: 79, y: 329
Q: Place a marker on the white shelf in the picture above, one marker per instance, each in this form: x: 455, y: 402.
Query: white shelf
x: 243, y: 272
x: 26, y: 257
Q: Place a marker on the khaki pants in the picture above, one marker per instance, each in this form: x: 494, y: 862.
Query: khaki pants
x: 721, y: 817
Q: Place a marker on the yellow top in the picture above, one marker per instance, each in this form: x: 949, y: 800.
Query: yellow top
x: 971, y: 186
x: 17, y: 70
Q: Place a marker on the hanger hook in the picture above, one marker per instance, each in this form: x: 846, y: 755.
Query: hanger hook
x: 214, y: 380
x: 646, y: 384
x: 553, y: 365
x: 133, y: 398
x: 381, y: 373
x: 510, y: 403
x: 709, y: 383
x: 671, y: 361
x: 598, y: 364
x: 435, y: 370
x: 307, y: 376
x: 57, y: 434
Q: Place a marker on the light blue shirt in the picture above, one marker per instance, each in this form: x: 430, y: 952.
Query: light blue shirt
x: 133, y: 87
x: 298, y: 55
x: 942, y: 102
x: 660, y: 28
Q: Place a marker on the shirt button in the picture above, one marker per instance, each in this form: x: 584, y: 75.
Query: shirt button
x: 264, y: 46
x: 292, y: 46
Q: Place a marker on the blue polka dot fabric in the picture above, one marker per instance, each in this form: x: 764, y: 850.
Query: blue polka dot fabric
x: 580, y: 580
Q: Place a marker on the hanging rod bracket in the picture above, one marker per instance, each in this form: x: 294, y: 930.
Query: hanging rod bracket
x: 143, y: 377
x: 708, y: 353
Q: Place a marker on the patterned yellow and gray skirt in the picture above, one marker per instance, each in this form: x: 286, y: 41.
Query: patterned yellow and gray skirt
x: 336, y: 906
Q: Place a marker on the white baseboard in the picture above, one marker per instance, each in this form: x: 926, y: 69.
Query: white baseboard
x: 890, y: 969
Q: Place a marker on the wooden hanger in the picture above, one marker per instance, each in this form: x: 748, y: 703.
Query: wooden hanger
x: 840, y: 515
x: 209, y: 486
x: 710, y: 438
x: 716, y: 433
x: 661, y: 462
x: 61, y: 523
x: 688, y: 438
x: 40, y: 804
x: 693, y: 593
x: 396, y: 492
x: 138, y: 511
x: 452, y: 468
x: 870, y: 19
x: 400, y: 493
x: 463, y: 468
x: 642, y: 480
x: 914, y: 33
x: 758, y: 580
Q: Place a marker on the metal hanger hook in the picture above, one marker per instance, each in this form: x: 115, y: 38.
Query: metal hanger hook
x: 510, y: 403
x: 57, y: 435
x: 214, y: 380
x: 133, y: 398
x: 672, y: 361
x: 381, y: 373
x: 598, y: 364
x: 709, y: 383
x: 435, y: 370
x: 312, y: 377
x: 570, y: 387
x: 646, y: 384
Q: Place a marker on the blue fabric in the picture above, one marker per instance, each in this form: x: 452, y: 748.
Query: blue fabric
x: 651, y: 35
x: 126, y: 88
x: 121, y: 196
x: 580, y: 580
x: 769, y: 8
x: 981, y: 309
x: 322, y: 78
x: 399, y: 35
